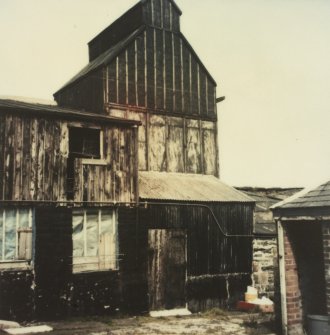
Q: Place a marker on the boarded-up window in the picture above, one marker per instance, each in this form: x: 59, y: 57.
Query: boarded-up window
x: 95, y: 240
x: 15, y: 234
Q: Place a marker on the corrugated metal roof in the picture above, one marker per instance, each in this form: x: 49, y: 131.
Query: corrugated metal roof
x: 51, y: 110
x: 318, y: 197
x: 103, y: 59
x: 187, y: 187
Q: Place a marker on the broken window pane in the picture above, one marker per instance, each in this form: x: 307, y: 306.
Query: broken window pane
x: 78, y: 233
x: 106, y: 222
x: 1, y: 233
x: 94, y: 240
x: 84, y: 142
x: 92, y: 233
x: 10, y: 235
x: 24, y: 218
x: 15, y: 234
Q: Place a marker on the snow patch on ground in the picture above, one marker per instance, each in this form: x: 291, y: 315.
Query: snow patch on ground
x: 170, y: 312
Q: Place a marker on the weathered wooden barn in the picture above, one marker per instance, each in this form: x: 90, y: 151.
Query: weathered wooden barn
x: 303, y: 223
x: 111, y: 199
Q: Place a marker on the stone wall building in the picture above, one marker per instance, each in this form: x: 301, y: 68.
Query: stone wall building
x: 265, y: 255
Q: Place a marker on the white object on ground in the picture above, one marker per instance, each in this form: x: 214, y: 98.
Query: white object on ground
x: 262, y: 301
x: 251, y: 290
x: 8, y: 324
x: 28, y: 330
x: 170, y: 312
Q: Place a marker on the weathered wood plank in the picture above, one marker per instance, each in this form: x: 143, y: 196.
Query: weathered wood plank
x: 209, y: 150
x: 112, y: 82
x: 167, y: 15
x: 203, y: 93
x: 9, y: 158
x: 121, y: 93
x: 63, y: 156
x: 186, y: 79
x: 175, y: 145
x: 2, y: 155
x: 141, y: 69
x: 26, y: 163
x: 151, y: 63
x: 159, y: 70
x: 169, y: 71
x: 18, y: 154
x: 194, y: 86
x: 157, y: 151
x: 193, y: 164
x: 157, y: 13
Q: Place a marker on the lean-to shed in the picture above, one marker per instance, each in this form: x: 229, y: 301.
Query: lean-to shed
x: 303, y: 223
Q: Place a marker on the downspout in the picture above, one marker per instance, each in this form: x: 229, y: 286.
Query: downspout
x: 281, y: 260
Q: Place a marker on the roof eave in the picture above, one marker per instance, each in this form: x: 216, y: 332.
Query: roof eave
x: 69, y: 114
x: 102, y: 64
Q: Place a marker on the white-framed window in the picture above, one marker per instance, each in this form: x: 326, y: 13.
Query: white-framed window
x: 95, y: 240
x: 15, y: 236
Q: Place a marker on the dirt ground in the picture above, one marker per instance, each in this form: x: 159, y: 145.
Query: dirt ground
x: 212, y: 322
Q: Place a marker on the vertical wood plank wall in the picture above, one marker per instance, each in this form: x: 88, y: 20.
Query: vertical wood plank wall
x: 33, y: 162
x: 170, y: 76
x: 173, y: 91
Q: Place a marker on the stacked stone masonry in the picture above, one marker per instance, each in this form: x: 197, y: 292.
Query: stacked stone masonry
x: 265, y: 266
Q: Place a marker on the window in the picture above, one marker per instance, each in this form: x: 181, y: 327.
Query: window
x: 83, y: 143
x: 15, y: 235
x: 95, y: 240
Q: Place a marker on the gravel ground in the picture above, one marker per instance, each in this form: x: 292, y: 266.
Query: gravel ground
x: 216, y: 322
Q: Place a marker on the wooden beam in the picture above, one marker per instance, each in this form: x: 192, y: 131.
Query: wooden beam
x: 281, y: 258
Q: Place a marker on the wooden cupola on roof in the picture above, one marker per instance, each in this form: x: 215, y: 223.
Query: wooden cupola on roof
x: 162, y: 14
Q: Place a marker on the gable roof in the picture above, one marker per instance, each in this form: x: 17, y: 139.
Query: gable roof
x: 103, y: 59
x: 59, y: 112
x: 106, y: 57
x: 187, y: 187
x: 315, y: 198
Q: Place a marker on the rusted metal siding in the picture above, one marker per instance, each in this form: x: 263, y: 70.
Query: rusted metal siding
x: 34, y: 155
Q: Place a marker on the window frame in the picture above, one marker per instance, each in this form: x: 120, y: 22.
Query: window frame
x: 83, y: 264
x: 101, y: 140
x: 17, y: 262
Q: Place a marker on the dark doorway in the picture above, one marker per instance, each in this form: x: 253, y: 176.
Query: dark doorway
x: 306, y: 241
x: 167, y: 268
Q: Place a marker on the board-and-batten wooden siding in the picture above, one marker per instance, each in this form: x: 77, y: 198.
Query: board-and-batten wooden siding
x: 175, y: 144
x: 87, y: 94
x: 158, y: 70
x: 209, y: 252
x: 33, y: 162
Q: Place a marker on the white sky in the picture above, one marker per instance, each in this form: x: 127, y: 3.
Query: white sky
x: 270, y: 58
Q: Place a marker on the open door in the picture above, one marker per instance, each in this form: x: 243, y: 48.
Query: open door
x: 167, y: 269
